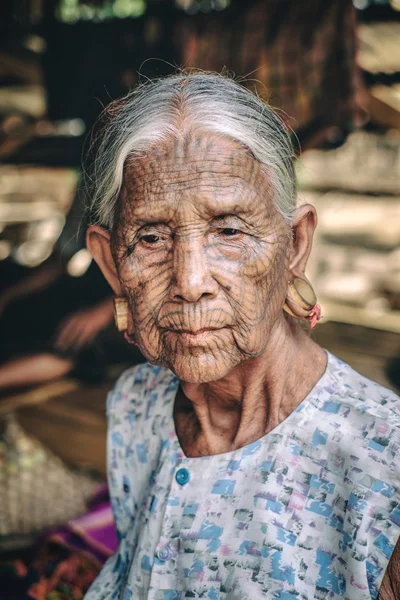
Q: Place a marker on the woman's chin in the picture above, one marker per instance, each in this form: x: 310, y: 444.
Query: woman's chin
x: 201, y: 369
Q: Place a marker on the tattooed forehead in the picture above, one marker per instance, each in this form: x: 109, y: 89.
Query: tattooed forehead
x: 195, y: 151
x: 218, y: 173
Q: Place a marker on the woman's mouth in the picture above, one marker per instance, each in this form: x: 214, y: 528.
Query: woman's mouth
x: 195, y: 337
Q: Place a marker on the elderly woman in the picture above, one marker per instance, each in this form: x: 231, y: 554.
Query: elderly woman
x: 245, y: 461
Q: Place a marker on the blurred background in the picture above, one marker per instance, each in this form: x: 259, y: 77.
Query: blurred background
x: 332, y: 69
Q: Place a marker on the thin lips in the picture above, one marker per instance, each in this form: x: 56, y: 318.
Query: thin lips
x: 191, y: 332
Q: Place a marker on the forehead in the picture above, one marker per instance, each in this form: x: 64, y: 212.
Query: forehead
x: 215, y: 172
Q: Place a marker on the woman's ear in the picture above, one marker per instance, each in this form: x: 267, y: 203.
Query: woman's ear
x: 98, y: 242
x: 303, y: 226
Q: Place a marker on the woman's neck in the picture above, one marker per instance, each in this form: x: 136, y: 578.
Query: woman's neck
x: 221, y: 416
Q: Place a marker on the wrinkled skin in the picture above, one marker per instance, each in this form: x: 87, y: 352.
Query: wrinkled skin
x: 204, y: 258
x: 199, y: 244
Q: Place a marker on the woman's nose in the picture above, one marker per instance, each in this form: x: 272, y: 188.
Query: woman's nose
x: 192, y: 277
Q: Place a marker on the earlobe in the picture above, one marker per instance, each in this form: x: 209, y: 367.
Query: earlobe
x: 98, y: 242
x: 301, y: 301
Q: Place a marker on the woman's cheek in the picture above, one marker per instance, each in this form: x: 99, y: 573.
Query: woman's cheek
x: 246, y: 256
x: 233, y: 249
x: 135, y: 270
x: 266, y: 262
x: 128, y: 272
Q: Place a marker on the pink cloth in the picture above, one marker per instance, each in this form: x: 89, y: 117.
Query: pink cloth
x: 94, y: 532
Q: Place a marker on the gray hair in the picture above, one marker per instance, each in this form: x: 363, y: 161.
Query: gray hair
x: 157, y: 109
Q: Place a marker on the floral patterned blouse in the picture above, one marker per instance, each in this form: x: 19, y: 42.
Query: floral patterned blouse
x: 309, y: 511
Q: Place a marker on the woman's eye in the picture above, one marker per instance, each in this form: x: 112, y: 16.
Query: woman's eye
x: 230, y: 231
x: 150, y: 239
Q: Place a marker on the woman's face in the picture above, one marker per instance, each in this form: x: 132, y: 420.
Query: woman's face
x: 201, y: 254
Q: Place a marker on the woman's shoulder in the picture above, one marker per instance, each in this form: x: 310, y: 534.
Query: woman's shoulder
x: 366, y: 395
x: 140, y: 386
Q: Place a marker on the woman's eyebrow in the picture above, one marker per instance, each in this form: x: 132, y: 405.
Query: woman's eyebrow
x: 224, y: 205
x: 143, y: 223
x: 153, y: 222
x: 152, y: 217
x: 227, y: 216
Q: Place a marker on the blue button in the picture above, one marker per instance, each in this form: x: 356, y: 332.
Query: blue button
x: 182, y: 476
x: 164, y: 553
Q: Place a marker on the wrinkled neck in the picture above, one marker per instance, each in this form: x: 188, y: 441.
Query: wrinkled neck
x: 252, y: 399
